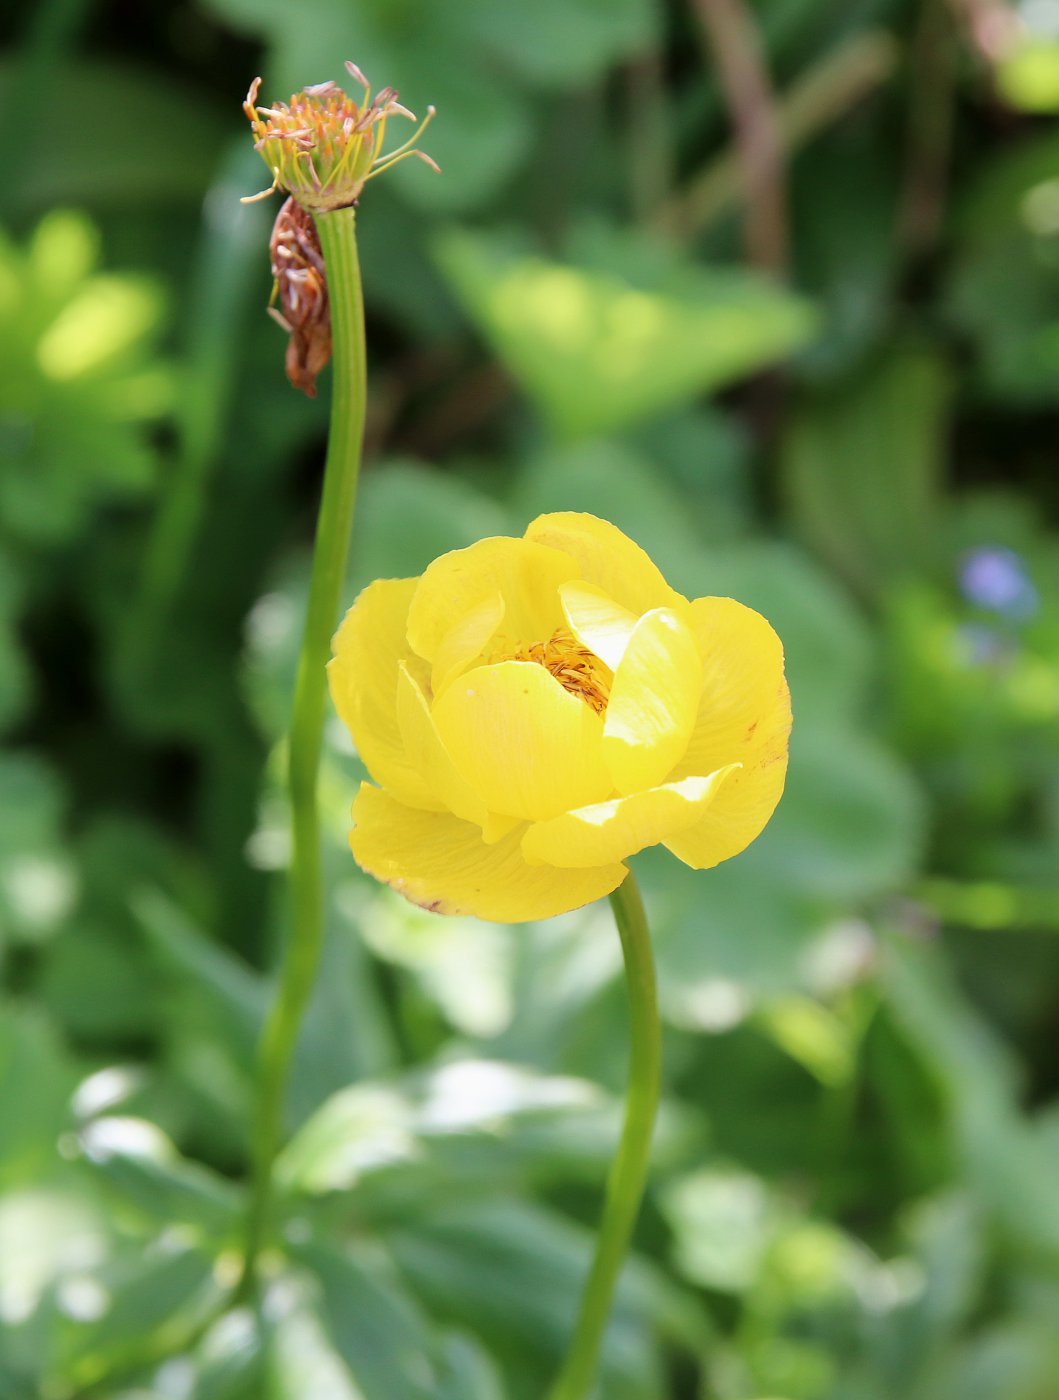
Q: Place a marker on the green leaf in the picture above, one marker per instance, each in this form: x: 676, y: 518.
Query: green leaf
x: 597, y: 352
x: 851, y: 824
x: 37, y: 881
x: 78, y: 380
x: 557, y: 44
x: 149, y: 1307
x: 465, y: 1122
x: 467, y: 1372
x: 167, y: 152
x: 863, y: 469
x: 143, y: 1168
x: 721, y: 1224
x: 36, y: 1081
x: 302, y: 1360
x: 372, y: 1325
x: 514, y: 1271
x: 1010, y: 1167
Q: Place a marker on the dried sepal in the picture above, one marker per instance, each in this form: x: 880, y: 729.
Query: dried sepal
x: 300, y: 284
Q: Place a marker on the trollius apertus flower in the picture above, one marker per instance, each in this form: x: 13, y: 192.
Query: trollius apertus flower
x: 535, y: 710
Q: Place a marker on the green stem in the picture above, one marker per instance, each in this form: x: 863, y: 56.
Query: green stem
x: 337, y: 232
x: 628, y: 1174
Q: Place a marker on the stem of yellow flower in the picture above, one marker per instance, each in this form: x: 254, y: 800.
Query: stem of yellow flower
x: 337, y: 231
x: 628, y: 1173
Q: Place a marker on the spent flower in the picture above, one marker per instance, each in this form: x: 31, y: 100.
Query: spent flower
x: 323, y: 146
x: 535, y: 710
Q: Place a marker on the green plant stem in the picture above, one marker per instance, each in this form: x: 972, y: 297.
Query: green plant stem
x: 302, y: 954
x: 628, y: 1174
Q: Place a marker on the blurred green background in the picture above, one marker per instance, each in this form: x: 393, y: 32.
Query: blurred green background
x: 838, y: 403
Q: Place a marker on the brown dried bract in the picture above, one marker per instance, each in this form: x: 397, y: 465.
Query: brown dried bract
x: 300, y: 284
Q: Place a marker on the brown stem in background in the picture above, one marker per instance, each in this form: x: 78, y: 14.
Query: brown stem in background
x: 932, y: 95
x: 741, y: 71
x: 819, y: 97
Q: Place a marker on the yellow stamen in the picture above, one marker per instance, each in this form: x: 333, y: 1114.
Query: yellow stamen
x: 575, y: 668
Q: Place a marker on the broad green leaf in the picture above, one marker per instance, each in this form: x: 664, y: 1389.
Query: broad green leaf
x: 597, y: 352
x: 302, y: 1360
x: 556, y: 44
x: 721, y: 1223
x: 235, y: 992
x: 513, y: 1271
x: 230, y: 1361
x: 79, y: 379
x: 862, y: 467
x: 146, y: 1172
x: 851, y: 824
x: 467, y: 1372
x: 147, y: 1308
x: 372, y: 1324
x: 166, y: 155
x: 465, y: 1122
x: 1009, y: 1166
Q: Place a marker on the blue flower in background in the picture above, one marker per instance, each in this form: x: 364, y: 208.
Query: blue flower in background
x: 995, y: 578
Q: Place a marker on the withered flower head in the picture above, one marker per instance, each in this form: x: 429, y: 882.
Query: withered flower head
x: 300, y: 284
x: 323, y: 147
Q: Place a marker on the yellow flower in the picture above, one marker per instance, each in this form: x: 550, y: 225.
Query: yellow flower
x: 323, y: 147
x: 536, y: 710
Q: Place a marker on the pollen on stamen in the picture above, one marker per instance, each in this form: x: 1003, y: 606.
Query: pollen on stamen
x: 323, y: 146
x: 577, y: 669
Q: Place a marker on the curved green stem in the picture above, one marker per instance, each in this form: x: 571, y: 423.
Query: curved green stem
x: 628, y: 1174
x: 337, y: 232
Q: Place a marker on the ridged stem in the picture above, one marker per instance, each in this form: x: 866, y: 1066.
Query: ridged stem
x: 628, y: 1173
x: 301, y: 957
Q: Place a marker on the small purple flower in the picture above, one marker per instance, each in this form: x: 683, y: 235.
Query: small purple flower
x: 995, y: 578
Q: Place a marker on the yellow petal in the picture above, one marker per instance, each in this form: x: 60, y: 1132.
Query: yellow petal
x: 597, y: 621
x: 744, y: 717
x: 527, y: 747
x: 610, y: 831
x: 442, y: 864
x: 368, y: 648
x: 466, y: 641
x: 429, y: 755
x: 653, y: 702
x: 606, y: 558
x: 525, y: 575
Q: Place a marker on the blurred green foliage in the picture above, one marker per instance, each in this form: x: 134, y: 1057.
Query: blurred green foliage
x: 856, y: 1173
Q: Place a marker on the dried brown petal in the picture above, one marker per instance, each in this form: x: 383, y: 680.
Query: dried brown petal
x: 301, y: 286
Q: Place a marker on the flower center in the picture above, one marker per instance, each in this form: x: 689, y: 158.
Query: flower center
x: 575, y: 668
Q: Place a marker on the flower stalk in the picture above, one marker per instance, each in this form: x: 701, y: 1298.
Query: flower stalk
x: 337, y: 232
x: 628, y: 1173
